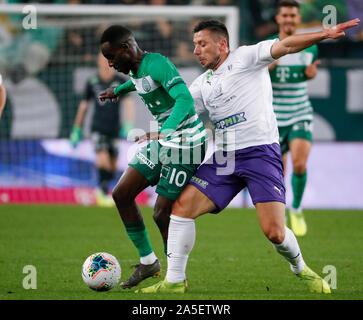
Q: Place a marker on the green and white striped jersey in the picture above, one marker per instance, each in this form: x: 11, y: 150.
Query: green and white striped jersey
x: 290, y: 96
x: 155, y: 77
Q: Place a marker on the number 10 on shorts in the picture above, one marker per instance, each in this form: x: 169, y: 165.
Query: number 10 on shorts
x: 178, y: 178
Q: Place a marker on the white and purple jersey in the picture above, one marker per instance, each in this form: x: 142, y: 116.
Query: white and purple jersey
x: 238, y: 97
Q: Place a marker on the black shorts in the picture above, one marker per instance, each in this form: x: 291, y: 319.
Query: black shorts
x: 104, y: 142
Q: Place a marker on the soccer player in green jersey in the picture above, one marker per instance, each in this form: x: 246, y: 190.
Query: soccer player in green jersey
x: 292, y: 107
x: 180, y: 138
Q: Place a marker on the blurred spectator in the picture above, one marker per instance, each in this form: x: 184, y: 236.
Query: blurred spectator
x: 25, y: 52
x: 185, y: 46
x: 221, y: 2
x: 158, y: 37
x: 179, y: 2
x: 263, y: 22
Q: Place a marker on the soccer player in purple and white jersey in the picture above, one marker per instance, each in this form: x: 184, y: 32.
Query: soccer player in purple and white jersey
x: 236, y: 90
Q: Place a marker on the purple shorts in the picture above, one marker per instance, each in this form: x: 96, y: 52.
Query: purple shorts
x: 258, y: 168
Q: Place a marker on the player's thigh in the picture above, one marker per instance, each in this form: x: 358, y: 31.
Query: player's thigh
x: 131, y: 183
x: 143, y: 171
x: 192, y: 203
x: 300, y: 150
x: 300, y: 140
x: 271, y: 216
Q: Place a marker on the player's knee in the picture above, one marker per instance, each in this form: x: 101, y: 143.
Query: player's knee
x: 121, y: 196
x: 180, y: 208
x: 299, y: 166
x: 275, y: 234
x: 161, y: 214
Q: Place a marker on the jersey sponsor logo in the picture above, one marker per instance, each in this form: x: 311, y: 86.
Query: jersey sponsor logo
x: 283, y: 73
x: 230, y: 121
x: 200, y: 182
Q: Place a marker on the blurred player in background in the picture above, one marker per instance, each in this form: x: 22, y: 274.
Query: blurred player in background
x: 236, y: 90
x: 105, y: 128
x: 2, y: 96
x: 181, y: 134
x: 292, y: 107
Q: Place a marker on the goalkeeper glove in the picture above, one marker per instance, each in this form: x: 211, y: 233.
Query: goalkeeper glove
x: 76, y: 136
x: 126, y: 127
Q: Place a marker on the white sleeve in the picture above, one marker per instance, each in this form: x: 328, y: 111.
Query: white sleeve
x: 197, y: 96
x: 258, y: 55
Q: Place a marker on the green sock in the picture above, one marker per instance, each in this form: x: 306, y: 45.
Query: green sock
x: 139, y: 237
x: 298, y: 182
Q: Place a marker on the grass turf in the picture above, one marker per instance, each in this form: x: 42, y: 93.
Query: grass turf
x: 231, y: 260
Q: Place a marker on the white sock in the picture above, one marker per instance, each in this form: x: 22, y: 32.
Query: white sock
x: 149, y: 259
x: 181, y: 238
x: 290, y: 250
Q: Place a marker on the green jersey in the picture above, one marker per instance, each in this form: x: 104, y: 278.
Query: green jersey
x: 289, y: 83
x: 156, y: 83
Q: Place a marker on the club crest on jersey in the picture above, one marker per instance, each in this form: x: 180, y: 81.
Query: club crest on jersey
x: 146, y: 85
x: 230, y: 121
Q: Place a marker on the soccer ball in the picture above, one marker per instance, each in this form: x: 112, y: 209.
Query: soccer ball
x: 101, y: 271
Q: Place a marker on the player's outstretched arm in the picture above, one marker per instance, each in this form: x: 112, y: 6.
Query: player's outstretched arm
x: 298, y: 42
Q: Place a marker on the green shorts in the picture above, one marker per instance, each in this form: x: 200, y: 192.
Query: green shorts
x: 298, y: 130
x: 168, y: 168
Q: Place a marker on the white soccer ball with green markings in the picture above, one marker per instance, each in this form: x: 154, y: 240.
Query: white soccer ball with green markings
x: 101, y: 271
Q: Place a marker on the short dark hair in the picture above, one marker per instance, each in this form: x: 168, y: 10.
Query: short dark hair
x: 115, y: 34
x: 213, y: 26
x: 287, y: 3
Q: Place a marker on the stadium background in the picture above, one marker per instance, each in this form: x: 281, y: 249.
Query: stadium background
x: 45, y: 70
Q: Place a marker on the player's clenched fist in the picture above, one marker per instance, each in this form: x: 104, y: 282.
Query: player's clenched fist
x: 108, y: 94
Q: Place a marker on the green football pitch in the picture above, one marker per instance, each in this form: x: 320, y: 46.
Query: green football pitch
x: 231, y: 260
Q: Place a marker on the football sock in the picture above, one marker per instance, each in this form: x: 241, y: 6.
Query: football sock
x: 149, y: 259
x: 290, y: 250
x: 298, y: 182
x: 104, y: 178
x: 139, y: 237
x: 181, y: 238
